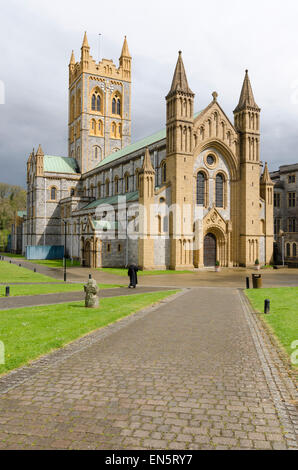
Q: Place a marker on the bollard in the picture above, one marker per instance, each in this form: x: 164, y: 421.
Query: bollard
x: 247, y: 283
x: 10, y: 261
x: 20, y: 265
x: 267, y: 306
x: 35, y: 270
x: 90, y: 276
x: 7, y: 291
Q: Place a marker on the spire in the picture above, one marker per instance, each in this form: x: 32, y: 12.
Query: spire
x: 147, y: 164
x: 85, y: 41
x: 266, y: 176
x: 247, y: 97
x: 39, y: 152
x: 72, y: 59
x: 125, y: 50
x: 179, y: 82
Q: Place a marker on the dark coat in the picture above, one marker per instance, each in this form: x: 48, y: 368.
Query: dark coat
x: 132, y: 273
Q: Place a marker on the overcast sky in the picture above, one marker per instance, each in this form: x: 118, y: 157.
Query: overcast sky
x: 219, y: 40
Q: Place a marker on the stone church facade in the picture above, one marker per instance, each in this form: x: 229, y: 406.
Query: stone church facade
x: 186, y: 197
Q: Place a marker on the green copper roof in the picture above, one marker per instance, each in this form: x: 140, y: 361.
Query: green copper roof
x: 130, y: 197
x: 136, y: 146
x: 60, y: 164
x: 133, y: 147
x: 105, y: 225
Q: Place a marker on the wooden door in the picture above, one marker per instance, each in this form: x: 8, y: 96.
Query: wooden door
x: 209, y: 250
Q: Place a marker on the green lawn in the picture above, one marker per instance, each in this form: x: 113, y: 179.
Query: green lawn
x: 54, y: 263
x: 14, y: 273
x: 123, y: 272
x: 28, y: 333
x: 51, y: 263
x: 283, y: 319
x: 37, y: 289
x: 11, y: 255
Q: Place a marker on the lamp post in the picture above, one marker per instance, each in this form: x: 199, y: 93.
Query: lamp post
x: 64, y: 250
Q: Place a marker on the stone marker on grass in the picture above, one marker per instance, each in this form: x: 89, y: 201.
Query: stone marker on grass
x: 91, y: 297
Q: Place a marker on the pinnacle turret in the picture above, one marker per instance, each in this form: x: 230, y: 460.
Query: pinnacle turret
x: 247, y: 99
x: 180, y: 82
x: 125, y: 50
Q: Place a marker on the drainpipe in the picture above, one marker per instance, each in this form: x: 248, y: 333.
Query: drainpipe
x: 45, y: 212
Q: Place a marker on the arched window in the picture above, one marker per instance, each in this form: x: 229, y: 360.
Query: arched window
x: 163, y: 172
x: 78, y: 106
x: 93, y: 106
x: 159, y: 223
x: 118, y: 106
x: 137, y: 178
x: 219, y: 190
x: 99, y: 190
x: 116, y: 184
x: 114, y: 106
x: 72, y: 108
x: 93, y: 126
x: 113, y: 130
x: 294, y: 250
x: 99, y: 127
x: 96, y: 153
x: 98, y: 103
x: 126, y: 182
x: 119, y: 130
x: 201, y: 189
x: 288, y: 250
x: 53, y: 193
x: 107, y: 187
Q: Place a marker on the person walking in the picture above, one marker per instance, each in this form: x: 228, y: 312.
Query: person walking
x: 132, y: 273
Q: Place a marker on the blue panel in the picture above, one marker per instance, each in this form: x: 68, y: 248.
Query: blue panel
x: 45, y: 252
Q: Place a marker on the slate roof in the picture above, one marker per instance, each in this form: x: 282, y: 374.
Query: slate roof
x: 130, y: 197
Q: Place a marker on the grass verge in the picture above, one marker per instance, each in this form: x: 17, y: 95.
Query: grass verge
x: 28, y: 333
x: 14, y: 273
x: 38, y: 289
x: 283, y: 319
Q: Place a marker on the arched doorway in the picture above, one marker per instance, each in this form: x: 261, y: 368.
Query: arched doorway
x: 88, y: 254
x: 209, y: 250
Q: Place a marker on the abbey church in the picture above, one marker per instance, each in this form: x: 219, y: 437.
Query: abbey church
x: 193, y: 195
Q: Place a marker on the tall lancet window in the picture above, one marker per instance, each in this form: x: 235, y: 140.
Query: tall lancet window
x: 114, y: 106
x: 98, y: 103
x: 93, y: 102
x: 219, y: 189
x: 201, y: 189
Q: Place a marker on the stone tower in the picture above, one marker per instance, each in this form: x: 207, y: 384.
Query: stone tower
x: 267, y: 223
x: 247, y: 123
x: 99, y: 106
x: 146, y: 213
x: 179, y: 163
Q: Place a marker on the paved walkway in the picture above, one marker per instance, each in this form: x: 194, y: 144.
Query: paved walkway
x: 62, y: 297
x: 194, y: 373
x: 235, y: 277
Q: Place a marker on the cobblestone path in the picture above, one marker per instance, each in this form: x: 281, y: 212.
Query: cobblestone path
x: 192, y: 374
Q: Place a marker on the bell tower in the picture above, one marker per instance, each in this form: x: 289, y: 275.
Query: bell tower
x: 179, y: 161
x: 99, y: 106
x: 247, y: 123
